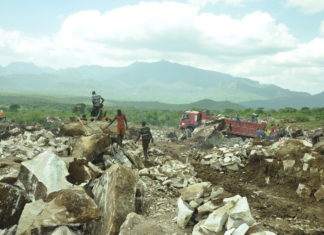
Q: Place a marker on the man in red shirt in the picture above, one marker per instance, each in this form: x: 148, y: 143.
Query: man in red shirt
x: 121, y: 125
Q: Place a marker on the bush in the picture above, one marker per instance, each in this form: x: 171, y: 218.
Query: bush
x: 302, y: 118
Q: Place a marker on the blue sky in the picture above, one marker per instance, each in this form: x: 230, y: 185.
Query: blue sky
x: 271, y: 41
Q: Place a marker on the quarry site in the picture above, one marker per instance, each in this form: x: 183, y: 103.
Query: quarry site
x: 72, y: 178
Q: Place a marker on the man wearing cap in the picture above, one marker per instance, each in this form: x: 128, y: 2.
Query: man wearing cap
x: 97, y: 102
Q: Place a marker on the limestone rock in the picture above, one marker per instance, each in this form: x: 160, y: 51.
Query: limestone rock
x: 184, y: 213
x: 138, y: 225
x: 49, y: 170
x: 90, y: 147
x: 319, y: 147
x: 12, y: 202
x: 288, y: 165
x: 207, y: 208
x: 303, y: 191
x: 241, y: 230
x: 319, y: 194
x: 9, y: 171
x: 73, y: 129
x: 65, y: 207
x: 240, y: 214
x: 9, y: 231
x: 217, y: 219
x: 114, y: 193
x: 63, y: 230
x: 195, y: 191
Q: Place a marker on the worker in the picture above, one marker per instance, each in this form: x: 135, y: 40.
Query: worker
x: 2, y: 115
x: 147, y: 137
x: 97, y: 102
x: 259, y: 134
x: 121, y: 126
x: 238, y: 119
x: 254, y: 117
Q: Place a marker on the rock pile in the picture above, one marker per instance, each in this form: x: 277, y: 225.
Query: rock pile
x: 210, y: 210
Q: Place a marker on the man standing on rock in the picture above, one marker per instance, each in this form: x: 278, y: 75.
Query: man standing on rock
x: 97, y: 102
x: 121, y: 125
x: 146, y: 135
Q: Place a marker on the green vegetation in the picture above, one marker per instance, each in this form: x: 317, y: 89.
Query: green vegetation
x: 35, y: 109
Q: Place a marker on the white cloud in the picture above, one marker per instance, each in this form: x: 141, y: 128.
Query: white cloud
x: 308, y: 6
x: 322, y: 28
x: 254, y: 46
x: 203, y: 3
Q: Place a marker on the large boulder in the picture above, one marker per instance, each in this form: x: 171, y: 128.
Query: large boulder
x: 138, y: 225
x: 73, y: 129
x: 65, y: 207
x: 90, y: 147
x: 44, y: 174
x: 114, y: 193
x: 294, y: 131
x: 319, y: 194
x: 12, y: 202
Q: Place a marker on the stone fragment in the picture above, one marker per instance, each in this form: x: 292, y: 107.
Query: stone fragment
x: 217, y: 219
x: 195, y: 191
x: 184, y: 213
x: 303, y: 191
x: 307, y: 157
x: 241, y: 230
x: 216, y: 192
x: 9, y: 171
x: 199, y: 230
x: 233, y: 167
x: 12, y: 202
x: 207, y: 208
x: 114, y: 193
x: 319, y: 194
x: 288, y: 165
x: 27, y: 218
x: 138, y: 225
x: 240, y: 214
x: 49, y: 170
x: 63, y: 230
x: 65, y: 207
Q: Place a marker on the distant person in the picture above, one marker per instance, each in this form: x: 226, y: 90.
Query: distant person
x: 254, y: 117
x: 147, y: 137
x: 238, y: 119
x: 2, y: 115
x: 97, y: 104
x: 259, y: 134
x: 121, y: 125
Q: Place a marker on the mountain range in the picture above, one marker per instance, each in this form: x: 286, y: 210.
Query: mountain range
x: 161, y: 81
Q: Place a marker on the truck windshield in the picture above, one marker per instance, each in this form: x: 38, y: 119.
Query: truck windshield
x: 185, y: 116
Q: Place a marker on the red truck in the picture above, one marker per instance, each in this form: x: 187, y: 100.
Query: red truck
x: 192, y: 119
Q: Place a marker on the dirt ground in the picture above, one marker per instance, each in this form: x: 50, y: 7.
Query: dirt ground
x: 276, y: 206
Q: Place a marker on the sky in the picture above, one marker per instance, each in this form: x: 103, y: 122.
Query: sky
x: 277, y: 42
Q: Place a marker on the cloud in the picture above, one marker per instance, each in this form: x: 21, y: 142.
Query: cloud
x: 203, y: 3
x: 254, y: 46
x: 308, y: 6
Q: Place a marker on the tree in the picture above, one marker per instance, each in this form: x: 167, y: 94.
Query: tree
x: 14, y: 107
x: 259, y: 110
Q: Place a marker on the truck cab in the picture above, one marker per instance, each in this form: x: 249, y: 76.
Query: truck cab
x: 192, y: 119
